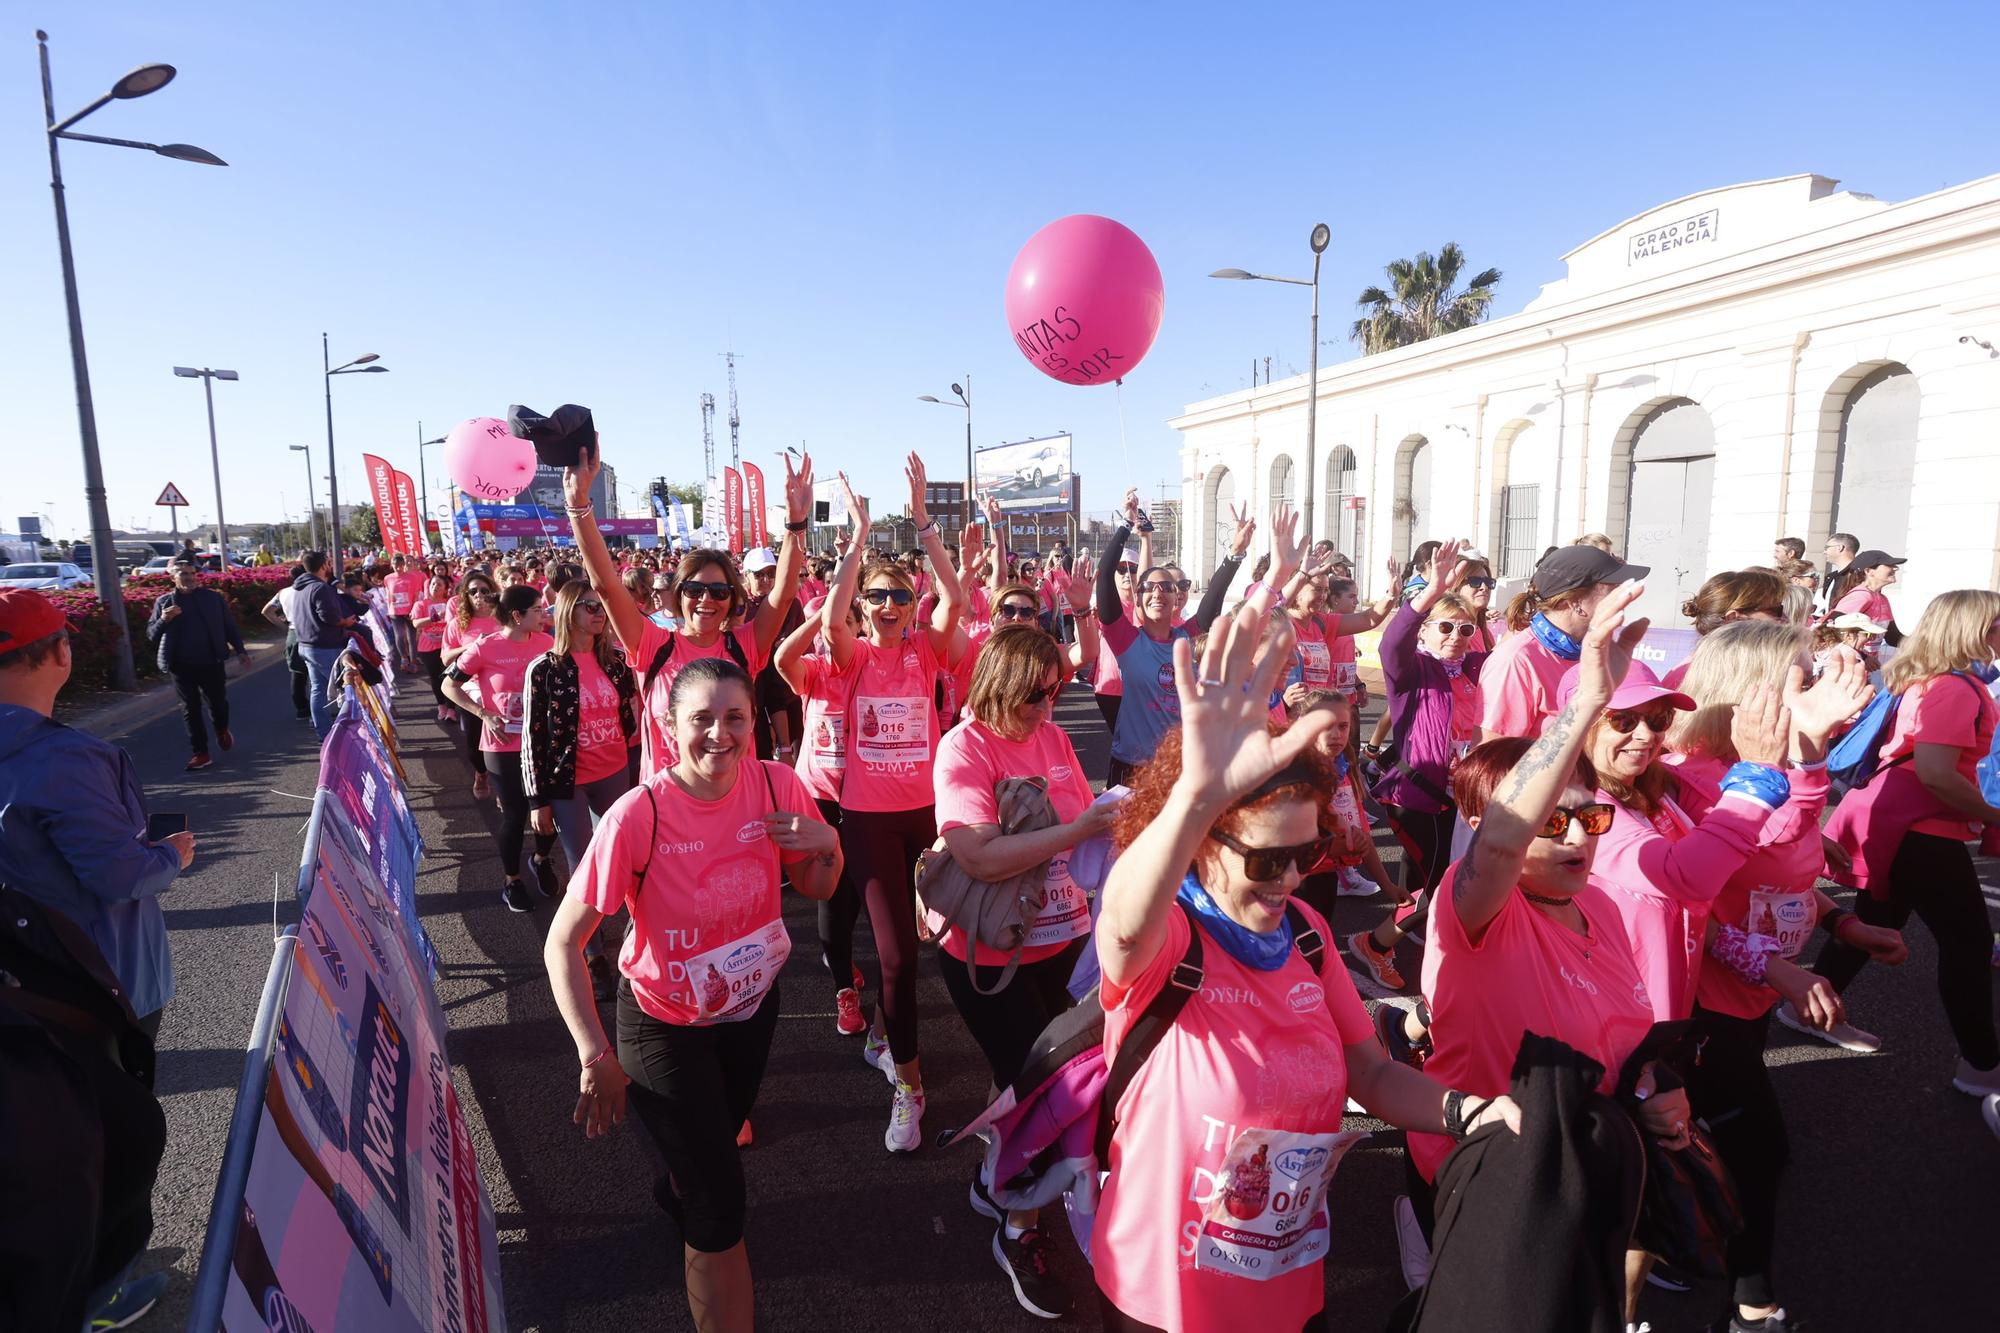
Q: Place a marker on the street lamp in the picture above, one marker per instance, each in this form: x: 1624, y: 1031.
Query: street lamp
x: 1321, y: 236
x: 423, y: 481
x: 103, y: 553
x: 964, y: 394
x: 208, y: 378
x: 312, y: 506
x: 359, y: 365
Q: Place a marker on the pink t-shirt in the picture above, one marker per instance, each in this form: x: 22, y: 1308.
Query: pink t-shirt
x: 1108, y: 680
x: 1943, y: 711
x: 600, y: 737
x: 500, y: 667
x: 1315, y: 654
x: 1346, y: 671
x: 1527, y: 974
x: 1871, y: 604
x: 658, y: 750
x: 405, y: 590
x: 1252, y: 1051
x: 475, y: 629
x: 822, y: 762
x: 430, y: 634
x: 1519, y: 684
x: 708, y: 937
x: 970, y: 764
x: 891, y: 734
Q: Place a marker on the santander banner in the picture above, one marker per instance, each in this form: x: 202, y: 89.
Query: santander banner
x: 382, y: 488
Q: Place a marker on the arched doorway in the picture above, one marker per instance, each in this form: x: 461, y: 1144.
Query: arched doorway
x: 1875, y: 460
x: 1340, y: 520
x: 1669, y: 496
x: 1221, y: 493
x: 1284, y: 481
x: 1523, y: 497
x: 1413, y: 493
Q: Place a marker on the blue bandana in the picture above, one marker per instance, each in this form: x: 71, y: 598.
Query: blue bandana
x: 1986, y: 671
x: 1340, y: 765
x: 1553, y: 639
x: 1265, y: 952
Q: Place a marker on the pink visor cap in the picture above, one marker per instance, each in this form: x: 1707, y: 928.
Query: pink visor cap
x: 1640, y: 688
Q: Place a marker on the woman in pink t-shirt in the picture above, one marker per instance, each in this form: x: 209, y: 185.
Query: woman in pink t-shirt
x: 1873, y: 572
x: 695, y: 855
x: 1010, y: 733
x: 887, y: 676
x: 499, y: 663
x: 470, y: 620
x: 1518, y: 684
x: 1907, y: 829
x: 428, y: 616
x: 1234, y: 1118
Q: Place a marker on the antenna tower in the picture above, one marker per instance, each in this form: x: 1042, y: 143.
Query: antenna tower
x: 734, y: 419
x: 707, y: 437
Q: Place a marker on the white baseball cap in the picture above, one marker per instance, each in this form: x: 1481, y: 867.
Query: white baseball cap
x: 759, y: 559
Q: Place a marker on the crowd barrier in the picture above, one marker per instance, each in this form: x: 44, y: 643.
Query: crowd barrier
x: 350, y: 1196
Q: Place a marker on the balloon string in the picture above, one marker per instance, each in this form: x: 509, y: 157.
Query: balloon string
x: 1118, y: 394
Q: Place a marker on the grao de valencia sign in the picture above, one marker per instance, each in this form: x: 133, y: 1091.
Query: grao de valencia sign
x: 1656, y: 241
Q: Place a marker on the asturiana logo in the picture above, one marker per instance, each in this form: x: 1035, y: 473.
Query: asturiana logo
x: 740, y: 959
x: 751, y: 831
x: 1305, y: 997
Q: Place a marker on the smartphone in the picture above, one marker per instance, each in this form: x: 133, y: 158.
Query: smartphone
x: 161, y: 826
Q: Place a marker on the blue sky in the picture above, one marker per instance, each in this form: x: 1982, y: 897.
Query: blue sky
x: 527, y: 202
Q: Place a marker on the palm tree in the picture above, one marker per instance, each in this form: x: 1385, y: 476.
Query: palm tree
x: 1421, y: 301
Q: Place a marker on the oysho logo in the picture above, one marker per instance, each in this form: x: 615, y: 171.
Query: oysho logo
x: 1305, y: 997
x: 748, y: 956
x: 1231, y: 995
x: 681, y: 848
x: 751, y: 832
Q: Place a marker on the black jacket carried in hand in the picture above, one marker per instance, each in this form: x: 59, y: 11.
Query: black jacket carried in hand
x: 201, y: 635
x: 551, y: 712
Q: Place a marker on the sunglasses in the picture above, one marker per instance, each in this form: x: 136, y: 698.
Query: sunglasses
x: 1177, y: 585
x: 1462, y: 628
x: 483, y: 594
x: 1041, y: 693
x: 1595, y: 818
x: 1265, y: 864
x: 1015, y: 611
x: 1128, y: 567
x: 594, y: 608
x: 1625, y: 721
x: 714, y: 592
x: 877, y: 596
x: 1480, y: 583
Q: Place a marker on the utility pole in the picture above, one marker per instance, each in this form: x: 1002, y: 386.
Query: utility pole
x: 735, y: 420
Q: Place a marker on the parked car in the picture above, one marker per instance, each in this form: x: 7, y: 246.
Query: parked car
x: 159, y: 564
x: 52, y: 577
x: 1043, y: 465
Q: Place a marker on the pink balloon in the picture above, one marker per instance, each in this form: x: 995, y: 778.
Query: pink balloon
x: 488, y: 460
x: 1084, y: 300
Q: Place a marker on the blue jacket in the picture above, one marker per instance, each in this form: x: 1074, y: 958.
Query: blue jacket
x: 73, y: 837
x: 201, y: 635
x: 317, y: 613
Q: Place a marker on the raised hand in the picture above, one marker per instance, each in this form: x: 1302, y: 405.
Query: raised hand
x: 1086, y: 570
x: 1246, y: 530
x: 1608, y: 646
x: 1225, y: 749
x: 1131, y: 507
x: 913, y: 469
x: 1318, y: 562
x: 1284, y: 544
x: 581, y: 475
x: 993, y: 515
x: 1444, y: 563
x: 1761, y: 728
x: 1841, y: 691
x: 799, y: 488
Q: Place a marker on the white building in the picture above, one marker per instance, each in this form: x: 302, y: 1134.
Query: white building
x: 1781, y: 358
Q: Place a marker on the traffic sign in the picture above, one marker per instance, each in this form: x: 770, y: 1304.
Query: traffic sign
x: 172, y: 496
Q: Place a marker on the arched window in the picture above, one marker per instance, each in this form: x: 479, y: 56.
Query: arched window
x: 1875, y: 460
x: 1339, y: 522
x: 1671, y: 445
x: 1221, y: 490
x: 1413, y: 493
x: 1284, y: 481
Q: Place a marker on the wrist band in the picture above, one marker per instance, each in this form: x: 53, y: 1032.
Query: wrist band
x: 595, y: 1058
x: 1830, y: 923
x: 929, y: 527
x: 580, y: 511
x: 799, y: 526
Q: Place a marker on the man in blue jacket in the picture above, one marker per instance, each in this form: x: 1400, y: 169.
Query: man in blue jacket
x: 72, y: 817
x: 195, y: 630
x: 322, y: 617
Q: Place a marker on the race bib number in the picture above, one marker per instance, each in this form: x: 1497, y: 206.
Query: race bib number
x: 828, y: 743
x: 515, y: 708
x: 1267, y: 1216
x: 1344, y: 676
x: 729, y: 982
x: 1785, y: 916
x: 1316, y: 662
x: 399, y: 602
x: 1064, y: 911
x: 893, y: 730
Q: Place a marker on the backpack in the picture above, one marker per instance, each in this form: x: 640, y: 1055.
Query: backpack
x: 1857, y: 756
x: 1051, y: 1128
x: 731, y: 647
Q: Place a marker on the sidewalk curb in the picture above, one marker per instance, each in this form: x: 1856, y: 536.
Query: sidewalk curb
x: 111, y: 718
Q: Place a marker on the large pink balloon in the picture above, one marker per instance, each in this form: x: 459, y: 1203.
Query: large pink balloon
x: 1084, y: 300
x: 488, y: 460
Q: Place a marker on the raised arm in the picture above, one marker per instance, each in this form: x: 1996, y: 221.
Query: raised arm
x: 628, y: 622
x: 770, y: 619
x: 846, y: 578
x: 950, y: 595
x: 1285, y: 554
x: 1217, y: 591
x: 1110, y: 610
x: 1528, y: 795
x: 789, y: 658
x: 1085, y: 650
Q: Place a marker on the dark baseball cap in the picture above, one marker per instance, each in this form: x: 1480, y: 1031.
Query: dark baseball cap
x: 1867, y: 560
x: 1570, y: 567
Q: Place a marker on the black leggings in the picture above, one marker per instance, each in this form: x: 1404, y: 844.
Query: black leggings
x: 433, y: 660
x: 1006, y: 1025
x: 1933, y: 877
x: 469, y: 729
x: 882, y: 847
x: 692, y: 1088
x: 505, y: 766
x: 1107, y: 704
x: 1730, y: 1091
x: 838, y: 914
x: 1426, y: 839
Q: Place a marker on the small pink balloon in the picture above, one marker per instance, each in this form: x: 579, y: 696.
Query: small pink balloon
x: 1084, y: 300
x: 488, y: 460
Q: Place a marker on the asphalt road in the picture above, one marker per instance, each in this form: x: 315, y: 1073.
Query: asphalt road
x: 1891, y: 1213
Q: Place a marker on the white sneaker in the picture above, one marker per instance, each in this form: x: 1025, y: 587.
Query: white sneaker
x: 1411, y: 1247
x: 875, y: 1053
x: 1978, y: 1082
x: 1354, y: 884
x: 906, y: 1119
x: 1844, y: 1035
x: 1639, y: 1328
x: 1991, y: 1110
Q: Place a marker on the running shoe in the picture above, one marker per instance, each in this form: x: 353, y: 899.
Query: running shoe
x: 861, y: 982
x: 198, y: 762
x: 1354, y: 884
x: 876, y: 1055
x: 1991, y: 1110
x: 1379, y: 964
x: 129, y: 1304
x: 848, y: 1019
x: 545, y: 875
x: 1412, y: 1250
x: 1395, y: 1038
x: 603, y: 979
x: 1844, y: 1035
x: 228, y: 741
x: 1776, y: 1322
x: 981, y: 1201
x: 482, y: 789
x: 906, y: 1119
x: 515, y: 894
x: 1026, y: 1264
x: 1978, y: 1082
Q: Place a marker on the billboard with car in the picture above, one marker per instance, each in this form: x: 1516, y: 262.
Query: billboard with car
x: 1028, y: 477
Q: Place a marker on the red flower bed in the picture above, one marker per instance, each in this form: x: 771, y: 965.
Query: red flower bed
x: 91, y: 637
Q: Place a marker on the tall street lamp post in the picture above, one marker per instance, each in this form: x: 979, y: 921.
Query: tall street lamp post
x: 359, y: 365
x: 964, y: 394
x: 312, y: 505
x: 208, y: 378
x: 103, y: 552
x: 423, y: 482
x: 1321, y: 236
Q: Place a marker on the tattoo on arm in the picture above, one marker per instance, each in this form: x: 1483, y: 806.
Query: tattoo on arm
x: 1467, y: 878
x: 1553, y: 739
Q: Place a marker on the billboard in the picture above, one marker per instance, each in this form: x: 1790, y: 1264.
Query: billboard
x: 1029, y: 477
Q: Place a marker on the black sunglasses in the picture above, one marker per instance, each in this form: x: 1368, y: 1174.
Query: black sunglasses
x: 1480, y: 583
x: 1015, y: 611
x: 1042, y: 692
x: 1178, y: 585
x: 595, y: 608
x: 714, y: 592
x: 1625, y: 721
x: 1595, y: 818
x: 900, y: 596
x: 1264, y: 864
x: 1462, y: 628
x: 1128, y: 567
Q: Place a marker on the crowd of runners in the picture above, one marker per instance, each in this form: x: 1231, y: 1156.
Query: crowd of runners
x: 1612, y: 876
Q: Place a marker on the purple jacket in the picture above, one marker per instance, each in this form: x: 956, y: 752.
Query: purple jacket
x: 1419, y: 716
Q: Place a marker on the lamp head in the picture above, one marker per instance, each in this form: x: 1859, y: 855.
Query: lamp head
x: 933, y: 398
x: 960, y: 392
x: 225, y: 374
x: 187, y: 152
x: 1235, y: 273
x: 300, y: 448
x: 187, y: 372
x: 365, y: 358
x: 1322, y: 235
x: 143, y: 80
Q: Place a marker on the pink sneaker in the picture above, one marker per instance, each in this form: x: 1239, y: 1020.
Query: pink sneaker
x: 847, y: 1018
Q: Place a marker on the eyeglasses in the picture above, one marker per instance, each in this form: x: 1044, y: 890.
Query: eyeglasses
x: 1480, y: 583
x: 1042, y: 692
x: 1462, y: 628
x: 1595, y: 818
x: 770, y: 573
x: 483, y: 594
x: 1177, y: 585
x: 1625, y: 721
x: 1128, y: 567
x: 1265, y: 864
x: 877, y: 596
x: 714, y: 592
x: 1014, y: 611
x: 594, y: 608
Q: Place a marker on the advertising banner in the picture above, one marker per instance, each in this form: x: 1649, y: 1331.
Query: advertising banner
x: 753, y: 505
x: 406, y: 514
x: 382, y: 491
x: 681, y: 530
x: 1031, y: 476
x: 732, y: 508
x: 355, y: 769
